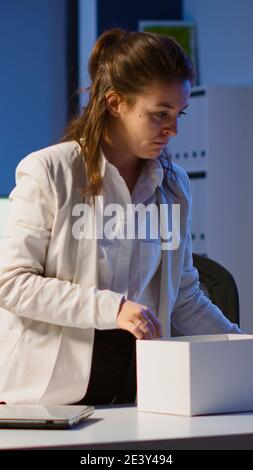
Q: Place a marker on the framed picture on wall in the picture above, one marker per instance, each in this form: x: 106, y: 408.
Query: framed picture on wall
x: 183, y: 31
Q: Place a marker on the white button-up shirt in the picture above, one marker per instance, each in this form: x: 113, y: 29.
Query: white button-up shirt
x: 130, y: 266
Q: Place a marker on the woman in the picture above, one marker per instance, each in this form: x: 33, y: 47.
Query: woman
x: 72, y: 306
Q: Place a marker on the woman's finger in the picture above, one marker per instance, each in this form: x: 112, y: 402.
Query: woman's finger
x: 150, y: 325
x: 155, y: 325
x: 146, y: 327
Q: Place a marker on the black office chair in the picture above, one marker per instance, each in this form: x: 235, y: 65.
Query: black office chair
x: 219, y: 285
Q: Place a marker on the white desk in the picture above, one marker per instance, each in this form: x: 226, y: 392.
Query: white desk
x: 124, y: 427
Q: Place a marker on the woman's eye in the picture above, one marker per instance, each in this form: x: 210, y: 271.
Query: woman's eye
x: 161, y: 114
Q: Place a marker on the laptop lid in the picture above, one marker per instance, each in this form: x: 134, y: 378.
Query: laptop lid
x: 42, y: 416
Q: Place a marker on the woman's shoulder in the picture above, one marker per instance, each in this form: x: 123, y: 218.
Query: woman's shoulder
x: 53, y: 156
x: 52, y: 161
x: 55, y: 168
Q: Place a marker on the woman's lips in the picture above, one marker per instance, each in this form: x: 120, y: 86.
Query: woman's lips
x: 161, y: 143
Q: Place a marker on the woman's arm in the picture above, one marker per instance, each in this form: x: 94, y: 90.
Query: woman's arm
x: 23, y: 288
x: 193, y: 312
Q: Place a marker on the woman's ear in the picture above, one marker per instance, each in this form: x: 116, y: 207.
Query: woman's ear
x: 113, y: 101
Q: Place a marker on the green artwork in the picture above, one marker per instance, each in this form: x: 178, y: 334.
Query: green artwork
x: 182, y: 35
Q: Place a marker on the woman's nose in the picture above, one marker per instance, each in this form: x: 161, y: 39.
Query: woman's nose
x: 171, y: 130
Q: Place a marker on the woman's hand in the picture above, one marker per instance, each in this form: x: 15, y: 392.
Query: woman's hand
x: 139, y: 320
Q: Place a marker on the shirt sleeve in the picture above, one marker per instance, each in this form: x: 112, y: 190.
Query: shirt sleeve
x: 194, y: 313
x: 24, y: 290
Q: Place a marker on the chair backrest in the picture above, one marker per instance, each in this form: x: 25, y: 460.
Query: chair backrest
x: 219, y: 285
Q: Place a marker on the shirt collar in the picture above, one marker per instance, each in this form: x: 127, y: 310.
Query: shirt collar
x: 152, y: 168
x: 155, y: 172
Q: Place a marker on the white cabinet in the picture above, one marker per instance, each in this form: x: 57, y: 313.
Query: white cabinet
x: 215, y: 146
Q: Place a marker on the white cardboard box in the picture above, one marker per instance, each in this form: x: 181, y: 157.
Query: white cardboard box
x: 194, y: 375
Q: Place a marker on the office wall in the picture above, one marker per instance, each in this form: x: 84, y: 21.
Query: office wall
x: 126, y: 14
x: 225, y: 38
x: 32, y: 80
x: 87, y: 11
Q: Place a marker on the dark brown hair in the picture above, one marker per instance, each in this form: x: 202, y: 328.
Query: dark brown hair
x: 127, y: 62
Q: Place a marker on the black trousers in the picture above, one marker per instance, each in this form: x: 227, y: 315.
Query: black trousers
x: 113, y: 369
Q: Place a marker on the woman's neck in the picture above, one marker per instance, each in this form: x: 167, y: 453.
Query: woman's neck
x: 129, y: 167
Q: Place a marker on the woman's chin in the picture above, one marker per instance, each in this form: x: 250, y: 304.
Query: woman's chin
x: 152, y: 153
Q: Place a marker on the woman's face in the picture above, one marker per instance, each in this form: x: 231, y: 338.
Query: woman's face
x: 145, y: 129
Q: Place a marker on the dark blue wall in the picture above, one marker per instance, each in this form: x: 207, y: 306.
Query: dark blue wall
x: 126, y: 14
x: 33, y: 100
